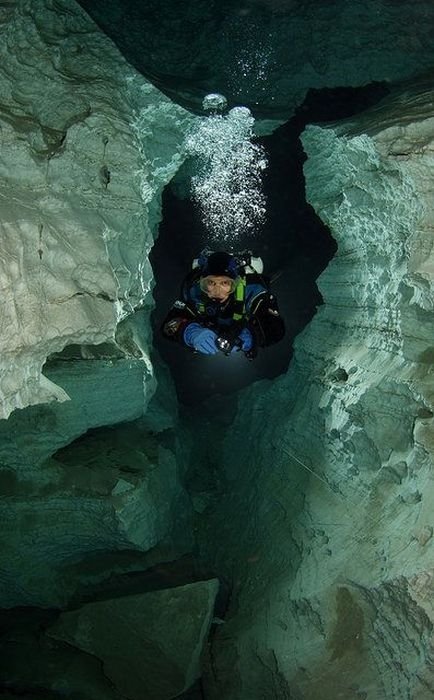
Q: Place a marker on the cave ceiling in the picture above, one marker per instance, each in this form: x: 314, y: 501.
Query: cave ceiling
x: 266, y: 54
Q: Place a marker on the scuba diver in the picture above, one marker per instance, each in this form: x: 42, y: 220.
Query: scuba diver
x: 225, y: 305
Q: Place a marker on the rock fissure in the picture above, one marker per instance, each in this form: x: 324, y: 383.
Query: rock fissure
x: 100, y: 295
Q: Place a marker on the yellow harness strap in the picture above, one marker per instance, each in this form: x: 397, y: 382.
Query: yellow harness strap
x: 240, y: 293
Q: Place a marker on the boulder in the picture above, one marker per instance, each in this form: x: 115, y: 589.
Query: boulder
x: 150, y: 645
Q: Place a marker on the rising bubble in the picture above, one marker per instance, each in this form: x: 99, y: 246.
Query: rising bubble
x: 214, y: 102
x: 227, y: 185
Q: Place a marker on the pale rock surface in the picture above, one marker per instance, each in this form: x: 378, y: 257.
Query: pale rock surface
x: 150, y: 645
x: 327, y: 527
x: 87, y: 146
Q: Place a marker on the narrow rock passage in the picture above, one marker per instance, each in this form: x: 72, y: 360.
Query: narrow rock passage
x: 293, y: 242
x: 271, y: 542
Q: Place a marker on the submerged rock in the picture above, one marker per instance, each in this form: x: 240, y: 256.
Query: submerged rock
x: 108, y: 504
x: 150, y: 645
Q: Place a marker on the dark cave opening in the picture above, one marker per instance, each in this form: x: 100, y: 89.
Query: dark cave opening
x: 294, y: 243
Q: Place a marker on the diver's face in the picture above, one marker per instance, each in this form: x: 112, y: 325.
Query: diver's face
x: 217, y: 287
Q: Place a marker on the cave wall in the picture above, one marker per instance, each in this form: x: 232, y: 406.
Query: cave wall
x: 325, y: 527
x: 87, y: 146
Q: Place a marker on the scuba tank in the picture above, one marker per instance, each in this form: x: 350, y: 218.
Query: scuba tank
x: 246, y: 261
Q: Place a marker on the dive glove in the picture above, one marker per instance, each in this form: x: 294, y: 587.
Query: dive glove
x: 245, y: 343
x: 200, y: 338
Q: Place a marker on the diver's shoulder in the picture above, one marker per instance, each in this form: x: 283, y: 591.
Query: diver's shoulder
x: 257, y: 283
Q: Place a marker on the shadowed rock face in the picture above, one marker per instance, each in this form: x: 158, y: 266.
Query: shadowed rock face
x: 150, y: 645
x: 266, y: 54
x: 147, y: 645
x: 111, y: 502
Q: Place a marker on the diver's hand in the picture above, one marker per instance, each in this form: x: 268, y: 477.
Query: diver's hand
x: 245, y: 343
x: 200, y: 338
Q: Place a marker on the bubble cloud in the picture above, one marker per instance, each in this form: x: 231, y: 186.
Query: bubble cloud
x: 227, y: 185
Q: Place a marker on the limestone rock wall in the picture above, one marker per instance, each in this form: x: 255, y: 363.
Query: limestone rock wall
x: 326, y: 530
x: 86, y: 147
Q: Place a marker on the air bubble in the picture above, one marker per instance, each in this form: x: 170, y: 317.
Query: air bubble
x: 227, y: 186
x: 214, y: 102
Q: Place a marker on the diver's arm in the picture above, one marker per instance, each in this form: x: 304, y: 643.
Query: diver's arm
x: 176, y: 321
x: 265, y: 321
x: 182, y: 313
